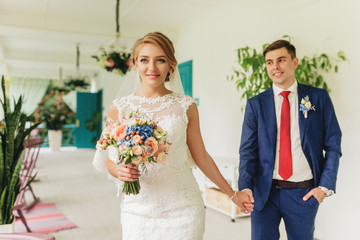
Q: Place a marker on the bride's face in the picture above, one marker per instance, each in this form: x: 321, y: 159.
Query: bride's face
x: 152, y: 65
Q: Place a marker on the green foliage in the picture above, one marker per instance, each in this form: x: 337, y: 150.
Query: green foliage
x: 250, y: 73
x: 93, y: 124
x: 54, y: 116
x: 77, y: 83
x: 52, y: 109
x: 12, y: 136
x: 114, y: 61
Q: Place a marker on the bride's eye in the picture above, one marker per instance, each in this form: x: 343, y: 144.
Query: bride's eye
x: 161, y: 60
x: 143, y: 60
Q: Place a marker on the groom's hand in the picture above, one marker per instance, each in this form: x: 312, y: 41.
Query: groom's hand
x: 250, y: 203
x: 317, y: 193
x: 244, y: 200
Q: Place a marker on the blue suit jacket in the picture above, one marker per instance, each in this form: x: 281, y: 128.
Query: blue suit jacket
x: 320, y: 136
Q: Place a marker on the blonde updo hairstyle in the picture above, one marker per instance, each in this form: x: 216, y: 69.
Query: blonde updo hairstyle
x: 161, y: 41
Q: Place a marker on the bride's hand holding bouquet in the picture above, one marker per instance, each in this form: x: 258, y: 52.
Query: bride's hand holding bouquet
x: 132, y: 142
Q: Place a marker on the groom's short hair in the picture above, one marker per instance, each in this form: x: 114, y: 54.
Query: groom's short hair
x: 280, y: 44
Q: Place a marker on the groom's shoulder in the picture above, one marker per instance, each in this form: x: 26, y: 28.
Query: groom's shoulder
x: 311, y: 88
x: 261, y: 95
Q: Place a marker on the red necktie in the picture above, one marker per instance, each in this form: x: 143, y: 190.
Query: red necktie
x: 285, y: 159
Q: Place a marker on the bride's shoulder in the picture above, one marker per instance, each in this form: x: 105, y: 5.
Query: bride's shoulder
x: 123, y: 99
x: 184, y: 98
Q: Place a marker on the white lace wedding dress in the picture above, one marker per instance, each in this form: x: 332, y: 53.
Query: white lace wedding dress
x: 169, y: 205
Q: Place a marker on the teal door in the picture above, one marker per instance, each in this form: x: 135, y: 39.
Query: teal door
x: 88, y: 118
x: 185, y: 70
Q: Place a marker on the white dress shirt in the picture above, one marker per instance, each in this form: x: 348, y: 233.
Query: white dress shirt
x: 301, y: 168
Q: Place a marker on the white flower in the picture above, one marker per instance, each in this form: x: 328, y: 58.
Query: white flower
x: 113, y: 153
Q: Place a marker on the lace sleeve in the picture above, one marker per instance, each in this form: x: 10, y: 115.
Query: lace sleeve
x: 186, y: 102
x: 101, y: 156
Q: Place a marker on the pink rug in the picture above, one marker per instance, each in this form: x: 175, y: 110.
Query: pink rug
x: 44, y: 218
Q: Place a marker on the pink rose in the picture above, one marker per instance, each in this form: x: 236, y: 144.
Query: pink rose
x: 106, y: 132
x: 123, y: 148
x: 137, y: 150
x: 136, y: 139
x: 109, y: 62
x: 167, y: 147
x: 138, y: 160
x: 151, y: 144
x: 161, y: 157
x: 129, y: 62
x: 118, y: 133
x: 159, y: 129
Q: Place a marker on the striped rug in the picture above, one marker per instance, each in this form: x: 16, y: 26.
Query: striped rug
x: 44, y: 218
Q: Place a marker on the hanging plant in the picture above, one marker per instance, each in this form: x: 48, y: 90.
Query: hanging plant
x: 77, y: 83
x: 114, y: 60
x: 250, y: 75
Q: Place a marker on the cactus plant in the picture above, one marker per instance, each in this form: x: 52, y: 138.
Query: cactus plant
x: 12, y: 136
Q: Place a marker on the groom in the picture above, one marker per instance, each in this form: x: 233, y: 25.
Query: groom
x: 289, y: 152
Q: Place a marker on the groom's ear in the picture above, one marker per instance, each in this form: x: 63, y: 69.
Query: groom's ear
x: 296, y: 62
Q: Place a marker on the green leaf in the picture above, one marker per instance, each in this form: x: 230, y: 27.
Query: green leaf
x: 128, y: 160
x: 151, y: 159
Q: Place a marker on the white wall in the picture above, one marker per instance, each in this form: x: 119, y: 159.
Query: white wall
x: 317, y: 26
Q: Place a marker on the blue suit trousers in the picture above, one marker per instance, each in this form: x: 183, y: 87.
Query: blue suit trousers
x: 298, y: 215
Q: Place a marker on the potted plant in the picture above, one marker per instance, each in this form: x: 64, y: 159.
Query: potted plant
x: 54, y: 116
x: 12, y: 136
x: 250, y: 75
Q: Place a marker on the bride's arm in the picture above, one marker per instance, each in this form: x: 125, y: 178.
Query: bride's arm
x: 127, y: 172
x: 204, y: 161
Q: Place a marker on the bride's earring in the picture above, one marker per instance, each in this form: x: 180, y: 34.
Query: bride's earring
x: 169, y: 76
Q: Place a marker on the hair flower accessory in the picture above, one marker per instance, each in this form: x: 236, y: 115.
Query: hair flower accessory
x: 306, y: 106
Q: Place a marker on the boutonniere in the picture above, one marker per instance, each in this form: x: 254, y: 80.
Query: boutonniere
x: 306, y: 106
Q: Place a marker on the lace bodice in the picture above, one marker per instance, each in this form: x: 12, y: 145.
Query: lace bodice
x: 169, y: 105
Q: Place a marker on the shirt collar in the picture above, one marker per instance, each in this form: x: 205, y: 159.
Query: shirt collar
x: 292, y: 88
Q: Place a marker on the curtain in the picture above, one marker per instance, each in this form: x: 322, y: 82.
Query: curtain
x: 32, y: 89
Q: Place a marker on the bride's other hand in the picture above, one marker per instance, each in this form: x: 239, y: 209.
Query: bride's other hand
x: 128, y: 172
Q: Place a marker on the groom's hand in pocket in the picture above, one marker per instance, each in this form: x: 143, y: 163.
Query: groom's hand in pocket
x: 128, y: 172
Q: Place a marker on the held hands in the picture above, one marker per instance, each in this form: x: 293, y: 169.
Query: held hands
x: 244, y: 199
x: 317, y: 193
x: 128, y: 172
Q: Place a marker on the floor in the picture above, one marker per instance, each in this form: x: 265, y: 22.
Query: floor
x: 88, y: 199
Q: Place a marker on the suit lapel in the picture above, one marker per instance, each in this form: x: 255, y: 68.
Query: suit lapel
x: 268, y: 107
x: 302, y: 92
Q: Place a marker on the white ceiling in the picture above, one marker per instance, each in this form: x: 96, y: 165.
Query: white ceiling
x: 37, y: 37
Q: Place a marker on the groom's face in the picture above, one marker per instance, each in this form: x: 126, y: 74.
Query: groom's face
x: 281, y: 68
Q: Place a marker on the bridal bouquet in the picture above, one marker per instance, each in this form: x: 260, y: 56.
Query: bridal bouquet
x: 138, y: 140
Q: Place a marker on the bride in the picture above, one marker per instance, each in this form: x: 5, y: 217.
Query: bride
x: 169, y: 205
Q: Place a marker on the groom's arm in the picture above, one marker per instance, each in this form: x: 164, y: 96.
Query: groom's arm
x: 248, y: 149
x: 332, y: 145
